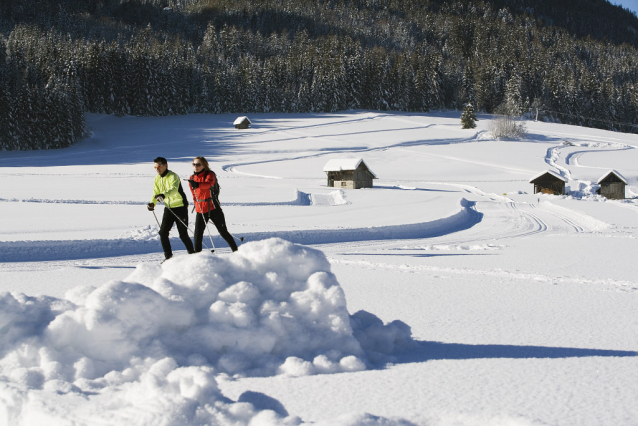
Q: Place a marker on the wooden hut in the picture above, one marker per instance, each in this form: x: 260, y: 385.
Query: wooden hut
x: 612, y: 185
x: 241, y: 123
x: 549, y: 182
x: 349, y: 173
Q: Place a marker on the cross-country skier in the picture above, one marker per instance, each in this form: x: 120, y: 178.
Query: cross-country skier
x: 202, y: 184
x: 167, y: 188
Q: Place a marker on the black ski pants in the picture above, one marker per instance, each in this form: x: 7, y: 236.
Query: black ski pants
x: 217, y: 217
x: 168, y: 220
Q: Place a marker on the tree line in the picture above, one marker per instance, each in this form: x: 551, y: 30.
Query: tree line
x: 154, y: 58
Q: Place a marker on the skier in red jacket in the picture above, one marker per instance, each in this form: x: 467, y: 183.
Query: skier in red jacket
x: 202, y: 183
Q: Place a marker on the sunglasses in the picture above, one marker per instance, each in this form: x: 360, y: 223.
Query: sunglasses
x: 197, y: 164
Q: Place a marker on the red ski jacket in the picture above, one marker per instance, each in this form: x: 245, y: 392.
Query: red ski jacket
x: 202, y: 195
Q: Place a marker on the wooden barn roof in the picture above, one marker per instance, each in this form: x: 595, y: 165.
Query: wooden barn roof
x: 618, y: 175
x: 239, y: 120
x: 554, y: 174
x: 341, y: 164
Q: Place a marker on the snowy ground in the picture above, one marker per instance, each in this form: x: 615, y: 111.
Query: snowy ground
x: 522, y: 307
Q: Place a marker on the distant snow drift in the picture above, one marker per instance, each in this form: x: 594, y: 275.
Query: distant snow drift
x: 148, y: 350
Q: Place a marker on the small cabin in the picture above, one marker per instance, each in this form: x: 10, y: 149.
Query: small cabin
x: 612, y: 185
x: 549, y: 182
x: 349, y: 173
x: 241, y: 123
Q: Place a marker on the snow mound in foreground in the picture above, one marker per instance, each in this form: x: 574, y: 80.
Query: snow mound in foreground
x: 148, y: 350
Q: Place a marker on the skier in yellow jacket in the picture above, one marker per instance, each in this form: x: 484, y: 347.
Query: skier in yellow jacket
x: 167, y: 188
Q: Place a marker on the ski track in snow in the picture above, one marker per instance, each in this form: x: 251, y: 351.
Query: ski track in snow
x: 608, y: 284
x: 333, y: 198
x: 58, y: 201
x: 571, y: 159
x: 551, y: 158
x: 505, y: 219
x: 15, y: 251
x: 474, y: 222
x: 589, y: 137
x: 234, y: 168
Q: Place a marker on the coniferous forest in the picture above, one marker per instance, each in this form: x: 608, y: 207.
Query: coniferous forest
x: 575, y: 61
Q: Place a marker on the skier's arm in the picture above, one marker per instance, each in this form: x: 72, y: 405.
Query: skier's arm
x: 171, y: 190
x: 190, y: 181
x: 209, y: 181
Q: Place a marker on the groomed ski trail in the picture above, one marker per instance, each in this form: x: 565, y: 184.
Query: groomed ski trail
x: 15, y: 251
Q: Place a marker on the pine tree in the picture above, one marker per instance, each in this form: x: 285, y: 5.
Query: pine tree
x: 468, y: 117
x: 513, y: 97
x: 5, y: 112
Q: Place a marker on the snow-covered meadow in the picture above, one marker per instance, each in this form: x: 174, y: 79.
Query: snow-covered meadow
x: 448, y: 294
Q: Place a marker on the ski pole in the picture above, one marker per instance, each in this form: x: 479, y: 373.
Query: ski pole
x: 182, y: 222
x: 178, y: 218
x: 241, y: 239
x: 209, y: 235
x: 158, y: 224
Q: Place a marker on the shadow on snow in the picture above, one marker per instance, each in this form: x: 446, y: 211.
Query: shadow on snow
x: 428, y: 351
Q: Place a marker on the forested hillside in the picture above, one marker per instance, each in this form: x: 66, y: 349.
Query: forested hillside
x: 576, y: 62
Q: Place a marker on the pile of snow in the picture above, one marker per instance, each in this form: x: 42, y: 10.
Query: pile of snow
x: 584, y: 190
x: 149, y: 349
x: 334, y: 198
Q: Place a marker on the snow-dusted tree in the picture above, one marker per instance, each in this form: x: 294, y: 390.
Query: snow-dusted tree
x: 5, y: 118
x: 507, y: 125
x: 513, y: 97
x: 468, y: 117
x: 5, y: 111
x: 303, y: 99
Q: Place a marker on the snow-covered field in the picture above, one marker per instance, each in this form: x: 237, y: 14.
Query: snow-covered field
x: 448, y: 294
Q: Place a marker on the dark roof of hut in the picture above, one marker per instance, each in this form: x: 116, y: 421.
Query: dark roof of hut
x: 610, y: 174
x: 343, y: 164
x: 547, y: 172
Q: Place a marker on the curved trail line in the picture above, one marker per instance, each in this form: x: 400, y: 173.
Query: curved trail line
x: 57, y: 201
x: 334, y: 198
x: 234, y: 167
x: 500, y: 273
x: 572, y: 158
x: 553, y: 153
x: 507, y: 220
x: 28, y: 251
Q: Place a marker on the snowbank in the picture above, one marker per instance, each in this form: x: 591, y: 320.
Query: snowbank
x: 149, y: 349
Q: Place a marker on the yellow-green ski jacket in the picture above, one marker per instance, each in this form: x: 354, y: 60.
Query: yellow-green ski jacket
x: 169, y: 185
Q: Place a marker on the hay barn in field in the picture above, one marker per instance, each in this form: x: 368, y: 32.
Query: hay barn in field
x: 349, y: 173
x: 549, y: 182
x: 241, y: 123
x: 612, y: 185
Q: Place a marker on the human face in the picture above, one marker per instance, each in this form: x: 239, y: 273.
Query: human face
x: 160, y: 168
x: 197, y: 165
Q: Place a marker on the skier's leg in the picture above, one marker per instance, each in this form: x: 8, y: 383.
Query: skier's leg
x: 182, y: 213
x: 217, y: 216
x: 207, y: 217
x: 199, y: 232
x: 165, y: 228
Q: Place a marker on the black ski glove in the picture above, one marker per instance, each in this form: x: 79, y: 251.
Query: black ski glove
x: 160, y: 198
x: 150, y: 207
x: 194, y: 184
